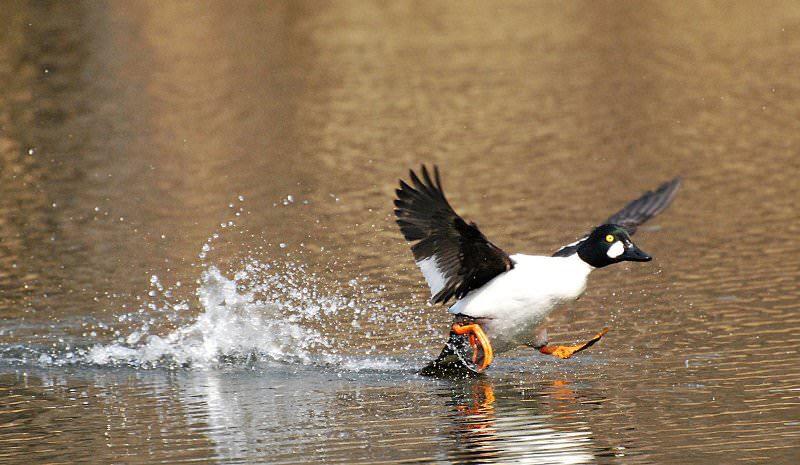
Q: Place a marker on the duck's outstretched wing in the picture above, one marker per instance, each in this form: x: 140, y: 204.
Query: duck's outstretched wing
x: 454, y: 256
x: 650, y: 204
x: 635, y: 213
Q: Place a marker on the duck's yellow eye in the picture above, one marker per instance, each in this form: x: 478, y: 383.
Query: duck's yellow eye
x: 610, y: 238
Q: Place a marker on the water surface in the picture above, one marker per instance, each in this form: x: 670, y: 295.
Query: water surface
x: 198, y: 260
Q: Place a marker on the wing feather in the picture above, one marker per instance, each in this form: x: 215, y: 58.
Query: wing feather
x: 453, y: 255
x: 635, y: 213
x: 650, y: 204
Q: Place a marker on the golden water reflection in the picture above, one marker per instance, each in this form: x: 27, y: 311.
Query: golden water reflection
x: 127, y: 129
x: 540, y: 427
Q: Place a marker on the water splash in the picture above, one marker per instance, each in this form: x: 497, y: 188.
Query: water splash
x: 233, y: 325
x: 261, y: 314
x: 264, y: 314
x: 253, y: 314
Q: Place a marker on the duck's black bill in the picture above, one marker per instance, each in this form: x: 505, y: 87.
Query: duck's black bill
x: 635, y: 254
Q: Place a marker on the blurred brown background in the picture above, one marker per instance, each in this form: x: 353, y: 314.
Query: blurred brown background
x: 129, y: 130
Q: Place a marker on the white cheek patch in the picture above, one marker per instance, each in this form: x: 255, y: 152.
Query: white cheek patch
x: 615, y: 250
x: 433, y: 276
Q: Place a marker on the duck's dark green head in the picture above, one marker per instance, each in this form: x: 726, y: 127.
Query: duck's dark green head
x: 608, y: 244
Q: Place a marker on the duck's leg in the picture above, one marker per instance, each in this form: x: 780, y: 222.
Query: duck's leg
x: 468, y: 351
x: 539, y: 339
x: 482, y: 353
x: 565, y: 351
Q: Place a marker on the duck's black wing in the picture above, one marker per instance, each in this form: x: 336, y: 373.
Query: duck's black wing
x: 635, y: 213
x: 454, y: 256
x: 650, y: 204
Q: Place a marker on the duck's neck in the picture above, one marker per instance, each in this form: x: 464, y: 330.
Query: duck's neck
x: 580, y: 263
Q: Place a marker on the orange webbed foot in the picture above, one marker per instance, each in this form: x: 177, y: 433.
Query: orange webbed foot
x: 482, y: 353
x: 569, y: 351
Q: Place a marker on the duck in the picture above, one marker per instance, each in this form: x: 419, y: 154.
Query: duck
x: 499, y: 301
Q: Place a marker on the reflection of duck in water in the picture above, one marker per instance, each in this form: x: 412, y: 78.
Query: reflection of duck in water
x: 475, y: 422
x: 501, y: 299
x: 509, y: 426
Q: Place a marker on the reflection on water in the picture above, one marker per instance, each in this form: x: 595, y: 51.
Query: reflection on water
x: 519, y: 428
x: 241, y: 415
x: 204, y: 190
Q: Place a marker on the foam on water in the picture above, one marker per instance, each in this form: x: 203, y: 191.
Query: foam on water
x: 256, y: 316
x: 232, y: 324
x: 256, y: 313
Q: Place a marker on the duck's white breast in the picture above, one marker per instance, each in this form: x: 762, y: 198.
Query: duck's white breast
x: 521, y: 298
